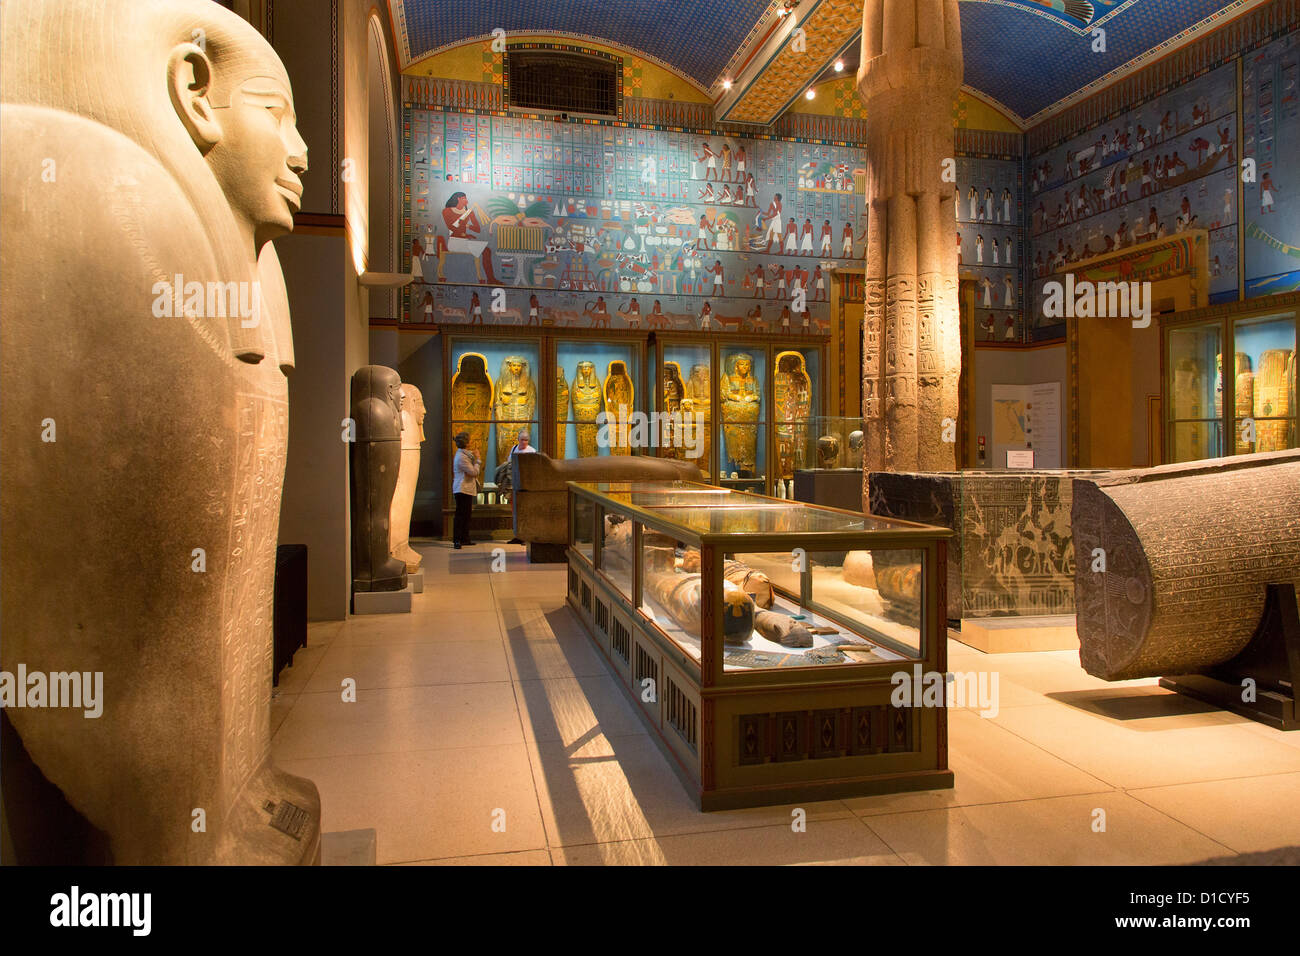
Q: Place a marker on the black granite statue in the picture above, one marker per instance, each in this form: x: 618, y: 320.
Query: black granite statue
x: 376, y: 456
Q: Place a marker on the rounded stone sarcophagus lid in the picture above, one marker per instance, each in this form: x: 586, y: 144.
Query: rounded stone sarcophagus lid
x: 377, y: 403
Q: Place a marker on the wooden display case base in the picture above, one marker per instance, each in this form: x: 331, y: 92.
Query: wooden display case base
x: 829, y: 790
x: 789, y: 740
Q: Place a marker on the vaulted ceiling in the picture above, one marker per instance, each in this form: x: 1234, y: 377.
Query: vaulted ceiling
x: 1027, y: 56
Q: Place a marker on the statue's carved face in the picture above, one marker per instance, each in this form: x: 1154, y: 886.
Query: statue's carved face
x: 586, y: 369
x: 743, y: 365
x: 260, y: 155
x: 515, y: 367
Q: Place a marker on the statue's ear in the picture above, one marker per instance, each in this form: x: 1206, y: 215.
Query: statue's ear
x: 189, y: 81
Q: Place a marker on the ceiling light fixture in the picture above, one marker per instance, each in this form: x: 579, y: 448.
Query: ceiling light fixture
x: 726, y: 84
x: 811, y: 94
x: 839, y: 66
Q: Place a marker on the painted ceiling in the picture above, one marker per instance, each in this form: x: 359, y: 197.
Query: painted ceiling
x: 1027, y: 56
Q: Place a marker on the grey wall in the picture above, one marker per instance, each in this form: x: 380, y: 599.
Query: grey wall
x: 314, y: 510
x: 1018, y: 367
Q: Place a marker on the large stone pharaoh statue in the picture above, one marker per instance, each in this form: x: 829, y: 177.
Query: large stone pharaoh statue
x: 144, y: 430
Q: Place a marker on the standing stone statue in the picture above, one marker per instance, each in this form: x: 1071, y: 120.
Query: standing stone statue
x: 408, y: 475
x: 376, y: 462
x: 147, y: 435
x: 911, y: 362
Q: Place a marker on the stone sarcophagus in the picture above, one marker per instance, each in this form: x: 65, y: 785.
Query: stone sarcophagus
x: 145, y: 434
x: 1013, y: 554
x: 1190, y: 551
x: 541, y: 499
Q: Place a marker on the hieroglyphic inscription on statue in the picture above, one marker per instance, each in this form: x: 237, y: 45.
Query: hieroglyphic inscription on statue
x: 262, y: 429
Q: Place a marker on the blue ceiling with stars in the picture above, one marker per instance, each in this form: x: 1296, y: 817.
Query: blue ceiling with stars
x: 1024, y: 54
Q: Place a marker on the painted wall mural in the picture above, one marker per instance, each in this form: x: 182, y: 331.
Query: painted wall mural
x: 1271, y: 130
x: 1161, y: 168
x: 990, y: 243
x: 531, y: 221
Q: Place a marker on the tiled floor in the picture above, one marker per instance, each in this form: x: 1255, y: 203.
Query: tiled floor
x: 487, y: 730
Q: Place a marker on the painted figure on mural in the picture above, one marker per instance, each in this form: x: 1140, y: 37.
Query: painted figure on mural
x: 760, y: 274
x: 710, y: 160
x: 706, y: 317
x: 463, y: 226
x: 774, y: 225
x: 846, y: 247
x: 1266, y: 190
x: 828, y: 234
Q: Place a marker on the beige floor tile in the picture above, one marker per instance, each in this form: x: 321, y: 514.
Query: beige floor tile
x: 824, y: 842
x: 571, y: 655
x: 449, y: 592
x: 322, y: 632
x: 609, y: 789
x: 991, y: 765
x: 1248, y: 815
x: 522, y: 858
x: 384, y: 720
x: 430, y: 804
x: 409, y: 665
x: 281, y: 704
x: 532, y: 619
x: 544, y: 584
x: 572, y: 709
x: 294, y: 678
x: 423, y: 626
x: 1057, y: 831
x: 1147, y: 737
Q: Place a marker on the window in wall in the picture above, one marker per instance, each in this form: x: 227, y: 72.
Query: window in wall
x: 563, y: 81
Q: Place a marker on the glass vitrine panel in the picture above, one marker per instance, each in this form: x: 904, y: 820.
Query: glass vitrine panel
x: 584, y: 526
x: 833, y: 442
x: 671, y: 589
x: 688, y: 384
x: 743, y: 411
x: 494, y: 395
x: 1265, y: 409
x: 1195, y: 392
x: 616, y: 551
x: 596, y: 396
x: 796, y: 384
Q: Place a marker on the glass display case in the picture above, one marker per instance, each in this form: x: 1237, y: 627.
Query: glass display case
x: 686, y: 390
x: 493, y: 393
x: 743, y: 402
x: 833, y: 442
x: 762, y: 638
x: 596, y: 382
x: 754, y: 401
x: 1216, y: 406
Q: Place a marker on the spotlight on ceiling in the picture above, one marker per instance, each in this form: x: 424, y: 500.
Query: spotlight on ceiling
x: 811, y: 94
x: 839, y: 66
x: 726, y: 84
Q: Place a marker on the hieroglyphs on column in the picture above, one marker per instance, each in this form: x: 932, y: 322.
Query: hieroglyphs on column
x: 911, y: 363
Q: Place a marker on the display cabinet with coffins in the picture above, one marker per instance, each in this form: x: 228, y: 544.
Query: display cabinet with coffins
x: 562, y: 390
x: 777, y: 649
x: 1229, y: 384
x: 744, y: 404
